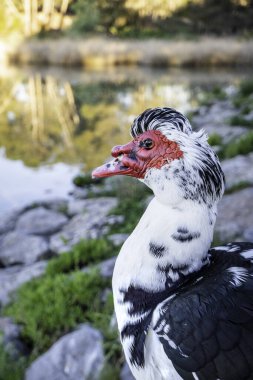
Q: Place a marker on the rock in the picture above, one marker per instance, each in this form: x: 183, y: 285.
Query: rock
x: 13, y: 277
x: 118, y: 239
x: 8, y: 222
x: 79, y: 193
x: 235, y: 215
x: 238, y: 169
x: 16, y: 248
x: 76, y: 206
x: 40, y: 221
x: 248, y: 234
x: 217, y: 113
x: 125, y: 373
x: 10, y: 338
x: 55, y: 204
x: 215, y: 119
x: 91, y: 223
x: 77, y: 355
x: 106, y: 267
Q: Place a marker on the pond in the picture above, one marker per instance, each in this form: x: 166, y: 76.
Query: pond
x: 55, y: 122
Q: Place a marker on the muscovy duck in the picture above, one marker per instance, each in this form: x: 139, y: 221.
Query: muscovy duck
x: 184, y: 310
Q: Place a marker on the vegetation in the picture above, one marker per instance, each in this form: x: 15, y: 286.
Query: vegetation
x: 53, y: 305
x: 86, y: 252
x: 215, y: 139
x: 11, y: 368
x: 241, y: 121
x: 129, y: 18
x: 132, y: 196
x: 84, y: 180
x: 238, y: 186
x: 242, y: 145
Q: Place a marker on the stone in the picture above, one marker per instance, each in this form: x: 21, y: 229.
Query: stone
x: 118, y: 239
x: 90, y: 223
x: 215, y: 119
x: 16, y: 248
x: 13, y: 277
x: 11, y: 338
x: 8, y: 221
x: 106, y: 267
x: 235, y: 215
x: 125, y: 373
x: 238, y: 169
x: 79, y: 193
x: 40, y: 221
x: 77, y: 355
x: 248, y: 234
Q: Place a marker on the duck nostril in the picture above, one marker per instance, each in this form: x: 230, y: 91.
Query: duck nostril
x: 116, y: 150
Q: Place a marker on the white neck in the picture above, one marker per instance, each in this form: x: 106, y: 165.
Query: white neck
x: 168, y: 242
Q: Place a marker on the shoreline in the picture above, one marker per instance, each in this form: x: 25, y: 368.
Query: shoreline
x: 102, y: 52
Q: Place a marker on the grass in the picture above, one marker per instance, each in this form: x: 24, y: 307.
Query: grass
x: 11, y: 369
x: 83, y: 180
x: 243, y: 145
x: 215, y: 139
x: 53, y: 305
x: 132, y: 197
x: 50, y: 307
x: 241, y: 121
x: 211, y: 95
x: 238, y: 186
x: 86, y: 252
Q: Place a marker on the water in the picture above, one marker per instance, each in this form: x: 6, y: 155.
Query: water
x: 55, y: 121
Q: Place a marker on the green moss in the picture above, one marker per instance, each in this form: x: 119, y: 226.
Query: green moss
x: 239, y: 186
x: 240, y: 120
x: 215, y: 139
x: 83, y: 180
x: 132, y: 197
x: 11, y: 369
x: 49, y: 307
x: 84, y: 253
x: 246, y: 87
x: 212, y: 95
x: 243, y: 145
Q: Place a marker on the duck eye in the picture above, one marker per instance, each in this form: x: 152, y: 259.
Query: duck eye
x: 147, y: 144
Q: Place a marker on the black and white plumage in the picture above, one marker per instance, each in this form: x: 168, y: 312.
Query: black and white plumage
x: 184, y: 311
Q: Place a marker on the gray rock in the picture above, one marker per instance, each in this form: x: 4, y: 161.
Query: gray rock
x: 118, y: 239
x: 79, y: 193
x: 11, y: 338
x: 217, y: 113
x: 215, y: 119
x: 238, y: 169
x: 16, y: 248
x: 55, y: 204
x: 13, y: 277
x: 249, y: 117
x: 106, y: 267
x: 125, y: 373
x: 75, y: 356
x: 8, y: 222
x: 40, y: 221
x: 235, y: 215
x: 91, y: 223
x: 248, y: 234
x: 76, y: 206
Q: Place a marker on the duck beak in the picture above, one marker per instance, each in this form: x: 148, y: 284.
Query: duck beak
x: 111, y: 168
x: 120, y: 165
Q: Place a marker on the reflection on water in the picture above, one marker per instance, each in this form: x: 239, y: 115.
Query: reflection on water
x: 57, y: 115
x: 21, y: 185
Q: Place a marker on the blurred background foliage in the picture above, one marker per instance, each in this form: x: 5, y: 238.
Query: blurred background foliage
x: 128, y: 18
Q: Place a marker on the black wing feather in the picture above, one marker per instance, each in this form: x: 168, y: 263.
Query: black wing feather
x: 211, y: 321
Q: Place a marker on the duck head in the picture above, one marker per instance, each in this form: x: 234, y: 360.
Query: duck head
x: 175, y: 162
